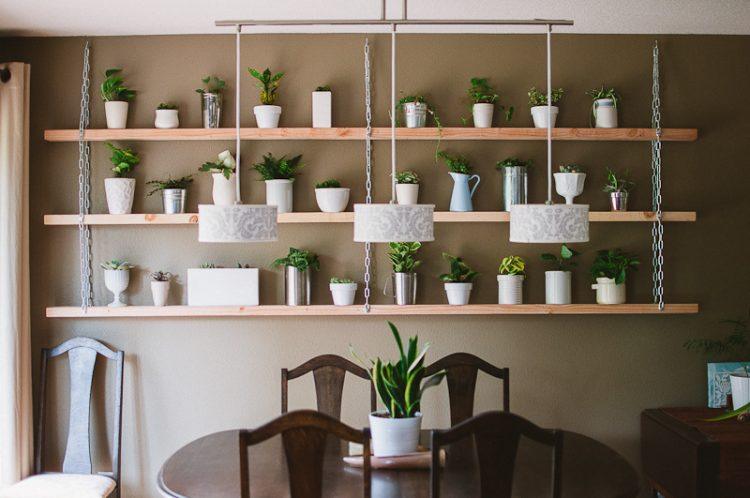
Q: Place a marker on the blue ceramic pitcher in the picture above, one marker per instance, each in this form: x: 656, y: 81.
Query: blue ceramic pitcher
x: 461, y: 197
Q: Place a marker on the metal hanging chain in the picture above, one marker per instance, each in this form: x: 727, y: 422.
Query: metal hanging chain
x: 84, y: 187
x: 368, y: 168
x: 657, y: 229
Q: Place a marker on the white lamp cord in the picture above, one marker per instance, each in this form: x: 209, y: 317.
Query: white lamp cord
x: 549, y: 114
x: 237, y: 113
x: 393, y: 113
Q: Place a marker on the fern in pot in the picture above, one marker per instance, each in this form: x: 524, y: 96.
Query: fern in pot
x: 404, y: 279
x: 279, y: 177
x: 224, y: 191
x: 609, y: 272
x: 512, y: 272
x: 120, y: 190
x: 331, y: 196
x: 267, y: 114
x: 116, y: 97
x: 343, y: 291
x: 407, y: 187
x: 458, y: 281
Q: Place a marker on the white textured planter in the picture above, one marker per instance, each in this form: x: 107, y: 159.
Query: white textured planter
x: 557, y: 287
x: 605, y: 113
x: 116, y: 282
x: 539, y: 114
x: 224, y: 191
x: 116, y: 113
x: 167, y: 118
x: 482, y: 114
x: 160, y: 291
x: 407, y: 193
x: 332, y: 200
x: 569, y: 185
x: 394, y: 436
x: 280, y: 193
x: 119, y: 193
x: 267, y: 116
x: 510, y: 289
x: 343, y: 294
x: 222, y: 287
x: 458, y: 292
x: 740, y: 390
x: 607, y: 292
x: 321, y: 109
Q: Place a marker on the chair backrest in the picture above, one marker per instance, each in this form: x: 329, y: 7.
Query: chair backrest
x: 496, y: 436
x: 328, y: 371
x: 82, y: 354
x: 304, y: 435
x: 461, y: 376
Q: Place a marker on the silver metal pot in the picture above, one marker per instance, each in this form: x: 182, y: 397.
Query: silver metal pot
x: 211, y: 109
x: 415, y: 114
x: 618, y: 201
x: 296, y: 286
x: 173, y: 200
x: 405, y: 288
x: 515, y: 186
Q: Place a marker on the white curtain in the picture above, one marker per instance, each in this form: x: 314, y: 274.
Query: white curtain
x: 16, y: 421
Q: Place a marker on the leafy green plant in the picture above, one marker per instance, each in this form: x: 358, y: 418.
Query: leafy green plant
x: 617, y: 183
x: 456, y: 164
x: 116, y: 264
x: 268, y: 83
x: 336, y: 280
x: 208, y: 266
x: 407, y: 177
x: 510, y: 162
x: 124, y: 160
x: 212, y: 84
x: 167, y: 107
x: 402, y: 256
x: 278, y: 169
x: 113, y: 89
x: 300, y: 259
x: 417, y: 99
x: 614, y: 264
x: 571, y: 168
x: 537, y: 98
x: 564, y: 262
x: 512, y: 265
x: 225, y: 165
x: 160, y: 276
x: 480, y: 92
x: 331, y: 183
x: 243, y: 266
x: 459, y: 271
x: 169, y: 183
x: 324, y: 88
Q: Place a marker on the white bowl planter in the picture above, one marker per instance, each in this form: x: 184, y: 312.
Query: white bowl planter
x: 116, y: 282
x: 116, y: 113
x: 119, y: 193
x: 458, y: 292
x: 740, y: 390
x: 569, y: 185
x: 605, y: 113
x: 224, y: 191
x: 321, y: 109
x: 343, y: 294
x: 222, y: 286
x: 394, y: 436
x: 267, y: 116
x: 482, y: 114
x: 510, y: 289
x: 280, y: 193
x: 160, y: 292
x: 167, y: 118
x: 607, y: 292
x: 407, y: 193
x: 557, y: 287
x: 332, y: 200
x: 539, y: 114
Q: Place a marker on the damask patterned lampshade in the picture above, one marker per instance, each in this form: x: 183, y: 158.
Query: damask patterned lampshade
x: 237, y: 223
x: 393, y: 223
x: 549, y: 223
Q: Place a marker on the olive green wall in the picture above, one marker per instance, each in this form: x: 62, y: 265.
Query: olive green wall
x: 592, y: 374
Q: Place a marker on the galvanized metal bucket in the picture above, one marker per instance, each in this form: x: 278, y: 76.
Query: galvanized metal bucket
x: 174, y: 200
x: 618, y: 201
x: 211, y: 109
x: 404, y: 288
x: 415, y: 114
x: 515, y: 186
x: 296, y: 286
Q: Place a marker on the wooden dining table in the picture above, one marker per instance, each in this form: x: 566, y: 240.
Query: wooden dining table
x: 209, y: 467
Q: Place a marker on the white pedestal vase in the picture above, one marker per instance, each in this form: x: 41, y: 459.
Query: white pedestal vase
x: 510, y: 289
x: 116, y: 113
x: 160, y: 291
x: 539, y: 115
x: 605, y: 113
x: 394, y: 436
x: 569, y: 185
x: 116, y: 282
x: 458, y: 292
x: 740, y: 390
x: 321, y: 109
x: 167, y: 118
x: 224, y: 191
x: 557, y: 287
x: 607, y: 292
x: 119, y: 192
x: 332, y: 200
x: 482, y: 114
x: 407, y: 193
x: 280, y: 193
x: 343, y: 294
x: 267, y: 116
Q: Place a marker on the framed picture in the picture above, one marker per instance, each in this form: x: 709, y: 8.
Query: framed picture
x: 718, y: 381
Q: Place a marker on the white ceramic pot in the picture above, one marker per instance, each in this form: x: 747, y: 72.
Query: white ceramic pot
x: 510, y: 289
x: 607, y: 292
x: 160, y: 291
x: 557, y: 287
x: 539, y: 114
x: 605, y: 113
x: 740, y: 390
x: 224, y: 191
x: 167, y: 118
x: 321, y: 109
x: 119, y: 193
x: 407, y: 193
x: 394, y: 436
x: 267, y: 116
x: 569, y: 185
x: 458, y: 292
x: 117, y: 114
x: 332, y: 200
x: 482, y: 114
x: 343, y: 294
x: 280, y: 193
x: 116, y: 282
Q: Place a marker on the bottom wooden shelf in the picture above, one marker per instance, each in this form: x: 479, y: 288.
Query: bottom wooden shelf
x: 358, y: 310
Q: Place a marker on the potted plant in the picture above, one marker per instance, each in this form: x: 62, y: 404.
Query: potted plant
x: 557, y: 282
x: 173, y: 193
x: 458, y: 282
x: 116, y: 98
x: 267, y: 114
x: 116, y: 279
x: 483, y: 99
x: 297, y: 264
x: 224, y: 191
x: 160, y: 287
x: 415, y: 109
x: 604, y: 107
x: 343, y: 291
x: 515, y: 180
x: 609, y: 271
x: 120, y: 190
x: 510, y: 280
x: 212, y: 285
x: 400, y: 386
x: 211, y: 100
x: 618, y: 187
x: 331, y: 196
x: 279, y: 177
x: 321, y: 107
x: 404, y: 280
x: 569, y: 181
x: 538, y: 103
x: 461, y: 172
x: 167, y: 116
x: 407, y: 187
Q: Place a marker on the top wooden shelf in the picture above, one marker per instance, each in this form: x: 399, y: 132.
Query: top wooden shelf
x: 466, y: 133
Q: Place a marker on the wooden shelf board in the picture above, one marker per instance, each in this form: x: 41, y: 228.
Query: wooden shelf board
x: 357, y: 310
x: 456, y: 133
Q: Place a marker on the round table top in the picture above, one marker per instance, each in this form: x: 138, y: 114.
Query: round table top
x: 209, y: 467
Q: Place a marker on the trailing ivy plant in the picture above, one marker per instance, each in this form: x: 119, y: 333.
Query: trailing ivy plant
x: 571, y: 168
x: 537, y: 98
x: 225, y: 165
x: 512, y: 265
x: 160, y: 276
x: 614, y: 264
x: 337, y: 280
x: 407, y: 177
x: 166, y: 107
x: 510, y: 162
x: 419, y: 99
x: 564, y: 262
x: 618, y: 183
x: 180, y: 183
x: 459, y: 272
x: 268, y: 83
x: 480, y: 92
x: 282, y: 168
x: 300, y: 259
x: 403, y: 256
x: 324, y: 88
x: 113, y: 88
x: 123, y: 160
x: 212, y: 84
x: 116, y: 264
x: 456, y: 164
x: 331, y: 183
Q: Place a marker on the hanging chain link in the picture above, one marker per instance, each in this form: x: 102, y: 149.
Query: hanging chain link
x: 657, y: 229
x: 368, y: 167
x: 84, y: 187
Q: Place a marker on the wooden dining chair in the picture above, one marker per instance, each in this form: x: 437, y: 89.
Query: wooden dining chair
x: 461, y: 375
x: 328, y: 371
x: 496, y: 436
x: 304, y: 435
x: 77, y: 477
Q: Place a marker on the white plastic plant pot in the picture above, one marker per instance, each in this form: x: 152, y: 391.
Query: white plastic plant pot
x: 224, y: 191
x: 605, y: 113
x: 740, y: 390
x: 167, y: 118
x: 407, y: 193
x: 160, y: 292
x: 343, y: 294
x: 458, y: 292
x: 267, y: 116
x: 569, y: 185
x: 557, y: 287
x: 482, y: 114
x: 332, y: 200
x: 394, y: 436
x: 608, y: 292
x: 222, y: 287
x: 510, y: 289
x: 116, y: 282
x: 539, y: 114
x: 119, y: 192
x: 280, y: 193
x: 116, y: 113
x: 321, y: 109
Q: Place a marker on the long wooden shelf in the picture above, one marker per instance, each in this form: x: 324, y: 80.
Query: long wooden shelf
x: 357, y: 310
x: 465, y: 133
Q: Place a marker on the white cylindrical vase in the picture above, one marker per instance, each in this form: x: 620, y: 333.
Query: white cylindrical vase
x: 160, y: 292
x: 557, y: 287
x: 280, y: 193
x: 510, y: 289
x: 224, y: 191
x: 116, y: 113
x: 482, y: 114
x: 605, y: 113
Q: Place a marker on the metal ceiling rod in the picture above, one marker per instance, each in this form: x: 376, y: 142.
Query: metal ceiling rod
x: 398, y: 22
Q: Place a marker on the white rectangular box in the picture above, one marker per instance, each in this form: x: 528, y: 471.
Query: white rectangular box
x: 321, y: 109
x: 222, y: 287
